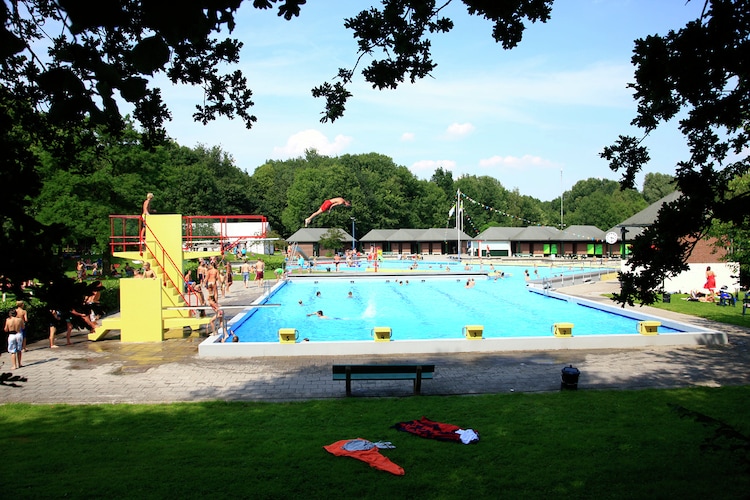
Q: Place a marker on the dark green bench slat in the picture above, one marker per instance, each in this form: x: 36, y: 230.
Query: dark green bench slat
x: 381, y: 376
x: 413, y: 372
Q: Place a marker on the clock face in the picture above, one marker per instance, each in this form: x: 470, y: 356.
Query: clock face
x: 611, y: 238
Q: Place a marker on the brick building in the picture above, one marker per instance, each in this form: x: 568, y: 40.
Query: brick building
x: 705, y: 254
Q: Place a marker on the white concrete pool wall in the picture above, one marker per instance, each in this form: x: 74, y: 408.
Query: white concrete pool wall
x: 689, y: 335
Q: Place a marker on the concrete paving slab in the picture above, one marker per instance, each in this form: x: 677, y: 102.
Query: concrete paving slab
x: 108, y: 371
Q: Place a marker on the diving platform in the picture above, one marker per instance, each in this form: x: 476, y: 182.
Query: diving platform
x: 152, y: 307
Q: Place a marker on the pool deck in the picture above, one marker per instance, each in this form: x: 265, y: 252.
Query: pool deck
x: 109, y: 371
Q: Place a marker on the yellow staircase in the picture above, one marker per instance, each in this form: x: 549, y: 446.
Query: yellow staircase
x: 147, y: 305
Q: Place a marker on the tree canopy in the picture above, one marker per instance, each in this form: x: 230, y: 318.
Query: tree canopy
x: 698, y: 75
x: 113, y: 176
x: 66, y: 69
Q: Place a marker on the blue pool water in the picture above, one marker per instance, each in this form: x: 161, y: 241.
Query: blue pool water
x: 421, y: 307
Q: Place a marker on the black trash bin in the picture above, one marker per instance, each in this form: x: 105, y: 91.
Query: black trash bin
x: 570, y: 376
x: 666, y: 298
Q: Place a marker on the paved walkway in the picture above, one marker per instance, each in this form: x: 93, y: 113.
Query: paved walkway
x: 109, y: 371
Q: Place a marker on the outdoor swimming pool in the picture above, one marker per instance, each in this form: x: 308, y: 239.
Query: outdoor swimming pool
x: 428, y: 310
x: 424, y: 308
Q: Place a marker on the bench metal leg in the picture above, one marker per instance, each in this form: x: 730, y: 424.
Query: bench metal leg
x: 418, y: 382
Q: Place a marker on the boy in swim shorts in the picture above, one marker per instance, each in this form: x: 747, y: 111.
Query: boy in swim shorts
x: 326, y: 206
x: 13, y: 327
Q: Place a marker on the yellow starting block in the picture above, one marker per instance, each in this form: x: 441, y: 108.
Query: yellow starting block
x: 288, y: 335
x: 562, y: 329
x: 382, y: 333
x: 649, y: 327
x: 473, y: 332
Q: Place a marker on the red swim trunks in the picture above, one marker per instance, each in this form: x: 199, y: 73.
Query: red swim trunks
x: 326, y: 205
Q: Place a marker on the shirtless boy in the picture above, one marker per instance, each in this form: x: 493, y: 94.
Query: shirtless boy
x: 212, y: 281
x: 326, y: 206
x: 21, y: 313
x: 245, y: 270
x: 146, y: 210
x: 13, y: 327
x: 260, y: 268
x: 148, y: 272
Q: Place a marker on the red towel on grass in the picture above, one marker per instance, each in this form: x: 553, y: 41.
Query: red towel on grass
x: 371, y: 456
x: 430, y: 429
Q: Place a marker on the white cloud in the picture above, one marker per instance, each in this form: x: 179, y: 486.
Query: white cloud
x: 525, y: 162
x: 510, y: 93
x: 407, y: 137
x: 424, y: 168
x: 456, y: 130
x: 297, y: 144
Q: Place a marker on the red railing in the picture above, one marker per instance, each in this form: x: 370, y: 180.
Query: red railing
x: 166, y: 258
x: 224, y: 231
x: 125, y: 233
x: 197, y: 231
x: 219, y: 232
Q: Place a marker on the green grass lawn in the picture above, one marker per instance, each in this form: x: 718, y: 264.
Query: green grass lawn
x: 687, y: 443
x: 708, y: 310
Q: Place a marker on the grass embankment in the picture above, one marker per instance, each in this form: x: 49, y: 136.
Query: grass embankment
x: 709, y: 310
x: 687, y: 443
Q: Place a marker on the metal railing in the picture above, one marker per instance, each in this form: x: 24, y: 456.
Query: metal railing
x: 162, y: 263
x: 224, y: 231
x: 127, y: 231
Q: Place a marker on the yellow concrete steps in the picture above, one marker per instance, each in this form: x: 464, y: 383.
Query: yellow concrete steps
x: 108, y: 324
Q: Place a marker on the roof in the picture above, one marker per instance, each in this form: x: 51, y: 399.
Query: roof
x: 538, y: 233
x: 405, y: 235
x: 499, y: 234
x: 582, y: 233
x: 307, y: 234
x: 431, y: 234
x: 636, y: 223
x: 378, y: 235
x: 442, y: 234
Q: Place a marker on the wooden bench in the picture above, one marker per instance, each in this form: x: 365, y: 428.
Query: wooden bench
x: 383, y: 372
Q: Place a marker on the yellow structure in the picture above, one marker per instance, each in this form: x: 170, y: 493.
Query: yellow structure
x: 288, y: 335
x: 473, y: 332
x: 382, y: 333
x: 562, y: 329
x: 151, y: 307
x: 649, y: 327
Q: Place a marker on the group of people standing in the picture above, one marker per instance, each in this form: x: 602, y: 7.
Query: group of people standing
x: 81, y: 316
x: 212, y: 276
x: 259, y: 268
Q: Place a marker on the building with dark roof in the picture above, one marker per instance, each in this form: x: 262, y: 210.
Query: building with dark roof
x: 540, y: 241
x: 705, y: 253
x: 432, y: 241
x: 307, y: 241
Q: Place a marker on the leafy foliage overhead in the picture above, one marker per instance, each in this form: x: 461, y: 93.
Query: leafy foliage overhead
x: 700, y: 76
x: 397, y: 37
x: 95, y: 55
x: 66, y: 65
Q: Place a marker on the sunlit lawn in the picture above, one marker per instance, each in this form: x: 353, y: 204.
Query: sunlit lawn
x: 723, y: 314
x: 687, y: 443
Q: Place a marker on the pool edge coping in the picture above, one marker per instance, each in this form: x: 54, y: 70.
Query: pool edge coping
x: 692, y: 335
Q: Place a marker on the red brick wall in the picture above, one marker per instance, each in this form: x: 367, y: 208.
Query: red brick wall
x: 705, y: 252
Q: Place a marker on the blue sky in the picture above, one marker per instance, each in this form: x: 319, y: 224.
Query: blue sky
x: 535, y: 117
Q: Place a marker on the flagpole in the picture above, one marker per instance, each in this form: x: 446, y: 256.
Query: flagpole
x: 459, y: 214
x: 562, y: 226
